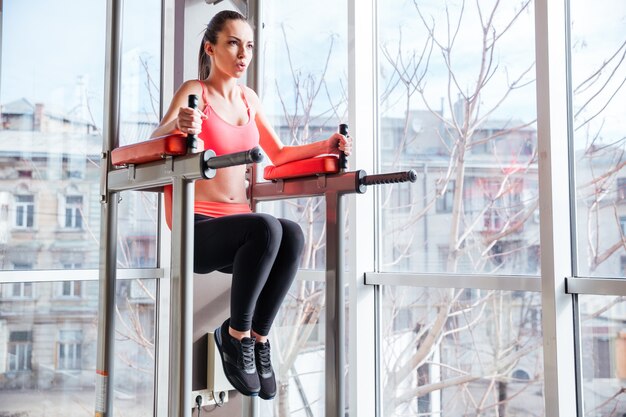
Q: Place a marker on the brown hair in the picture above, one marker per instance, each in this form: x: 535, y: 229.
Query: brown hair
x: 214, y: 27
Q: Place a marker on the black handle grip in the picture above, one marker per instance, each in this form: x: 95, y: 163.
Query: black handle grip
x: 390, y: 178
x: 250, y: 156
x: 192, y: 140
x: 343, y: 161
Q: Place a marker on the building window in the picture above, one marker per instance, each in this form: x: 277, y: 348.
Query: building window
x: 73, y: 209
x: 621, y: 189
x: 71, y: 289
x: 20, y: 290
x: 24, y: 211
x: 20, y: 351
x: 69, y: 352
x: 445, y: 201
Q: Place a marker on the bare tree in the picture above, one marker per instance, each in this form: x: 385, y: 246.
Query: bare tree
x: 489, y: 204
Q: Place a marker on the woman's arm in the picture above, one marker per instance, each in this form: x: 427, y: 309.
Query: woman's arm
x: 279, y: 153
x: 180, y: 118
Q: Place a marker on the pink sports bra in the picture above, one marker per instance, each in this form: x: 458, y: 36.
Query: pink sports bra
x: 222, y: 138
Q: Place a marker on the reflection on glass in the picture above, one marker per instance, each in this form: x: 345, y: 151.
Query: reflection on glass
x: 457, y: 104
x: 603, y: 349
x: 461, y: 352
x: 48, y: 333
x: 598, y: 71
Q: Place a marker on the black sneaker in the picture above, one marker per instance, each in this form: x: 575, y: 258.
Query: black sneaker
x: 238, y: 361
x: 265, y: 371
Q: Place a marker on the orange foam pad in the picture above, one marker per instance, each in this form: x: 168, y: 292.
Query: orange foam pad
x: 327, y: 164
x: 151, y: 150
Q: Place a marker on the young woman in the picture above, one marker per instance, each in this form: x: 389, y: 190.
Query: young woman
x: 262, y: 252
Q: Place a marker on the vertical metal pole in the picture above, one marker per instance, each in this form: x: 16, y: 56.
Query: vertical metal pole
x: 250, y: 405
x: 106, y: 307
x: 181, y: 301
x: 556, y: 218
x: 335, y: 307
x: 108, y: 219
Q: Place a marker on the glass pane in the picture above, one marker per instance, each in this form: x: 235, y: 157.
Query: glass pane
x: 48, y: 350
x: 50, y: 135
x: 139, y: 115
x: 141, y: 70
x: 461, y: 352
x: 599, y: 98
x: 457, y: 104
x: 51, y: 130
x: 603, y: 349
x: 304, y: 94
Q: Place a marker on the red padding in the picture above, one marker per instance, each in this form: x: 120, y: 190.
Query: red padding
x: 151, y: 150
x: 327, y: 164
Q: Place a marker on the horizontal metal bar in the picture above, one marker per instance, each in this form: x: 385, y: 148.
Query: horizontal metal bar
x: 346, y: 182
x: 54, y: 275
x: 595, y: 286
x: 488, y: 282
x: 311, y: 275
x: 156, y: 174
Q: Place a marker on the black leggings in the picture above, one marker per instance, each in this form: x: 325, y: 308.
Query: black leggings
x: 262, y: 253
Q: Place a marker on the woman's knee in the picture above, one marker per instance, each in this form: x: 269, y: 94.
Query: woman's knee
x: 292, y: 234
x: 266, y: 227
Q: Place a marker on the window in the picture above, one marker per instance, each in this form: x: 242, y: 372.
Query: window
x: 24, y: 211
x: 71, y: 288
x: 73, y: 212
x: 444, y: 202
x: 69, y: 350
x: 19, y: 290
x: 20, y: 351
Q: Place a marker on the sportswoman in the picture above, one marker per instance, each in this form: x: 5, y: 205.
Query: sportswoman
x: 261, y: 251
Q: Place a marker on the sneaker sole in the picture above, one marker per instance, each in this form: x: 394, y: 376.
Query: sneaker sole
x: 265, y: 396
x: 234, y: 382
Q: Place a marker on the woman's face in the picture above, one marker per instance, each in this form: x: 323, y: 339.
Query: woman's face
x: 233, y: 51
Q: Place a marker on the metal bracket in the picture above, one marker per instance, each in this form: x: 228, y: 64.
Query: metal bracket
x: 104, y: 177
x: 280, y: 186
x: 169, y: 164
x: 321, y: 182
x: 131, y: 172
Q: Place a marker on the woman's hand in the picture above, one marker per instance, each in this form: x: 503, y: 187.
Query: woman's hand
x: 189, y: 120
x: 338, y: 142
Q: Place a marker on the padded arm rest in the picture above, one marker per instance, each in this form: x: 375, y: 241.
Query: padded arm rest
x: 326, y: 164
x: 151, y: 150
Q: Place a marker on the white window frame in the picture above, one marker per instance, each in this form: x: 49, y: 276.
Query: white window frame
x: 23, y: 211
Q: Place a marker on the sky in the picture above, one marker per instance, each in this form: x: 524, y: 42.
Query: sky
x: 46, y: 49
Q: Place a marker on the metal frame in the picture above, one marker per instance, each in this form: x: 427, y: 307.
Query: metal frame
x: 555, y: 216
x: 108, y: 233
x: 488, y: 282
x: 60, y: 275
x: 595, y: 286
x: 364, y: 387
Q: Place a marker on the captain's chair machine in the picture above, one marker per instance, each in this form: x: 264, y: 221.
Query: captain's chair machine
x: 179, y: 160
